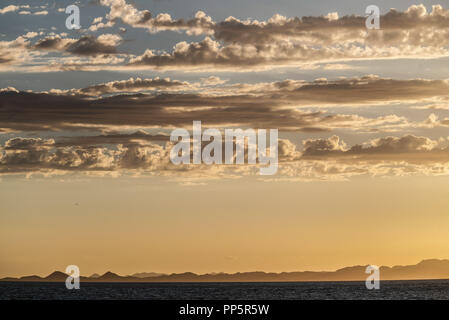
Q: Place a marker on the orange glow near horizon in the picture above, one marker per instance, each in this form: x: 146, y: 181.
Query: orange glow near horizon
x: 137, y: 225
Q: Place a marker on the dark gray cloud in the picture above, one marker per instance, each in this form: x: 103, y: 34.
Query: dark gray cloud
x: 51, y: 43
x: 266, y: 105
x: 85, y: 46
x: 89, y: 45
x: 411, y: 26
x: 27, y: 143
x: 111, y: 138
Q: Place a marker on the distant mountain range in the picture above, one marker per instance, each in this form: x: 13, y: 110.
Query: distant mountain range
x: 426, y: 269
x: 147, y: 274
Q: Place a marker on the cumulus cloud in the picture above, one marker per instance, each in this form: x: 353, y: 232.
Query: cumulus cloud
x: 247, y: 56
x: 389, y: 156
x: 102, y: 124
x: 281, y: 41
x: 86, y: 45
x: 36, y: 155
x: 21, y: 54
x: 27, y: 143
x: 409, y: 143
x: 320, y: 146
x: 127, y: 13
x: 211, y: 53
x: 52, y: 43
x: 213, y: 81
x: 14, y: 52
x: 390, y: 145
x: 66, y: 159
x: 433, y: 121
x: 397, y: 27
x: 98, y: 23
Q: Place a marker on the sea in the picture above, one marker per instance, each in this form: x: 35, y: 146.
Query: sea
x: 396, y: 290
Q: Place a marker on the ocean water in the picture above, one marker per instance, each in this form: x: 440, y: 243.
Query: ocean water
x: 419, y: 289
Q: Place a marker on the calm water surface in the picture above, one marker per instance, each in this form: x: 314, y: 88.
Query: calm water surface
x: 422, y: 289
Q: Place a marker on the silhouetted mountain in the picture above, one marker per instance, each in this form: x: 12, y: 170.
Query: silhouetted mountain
x: 56, y: 276
x: 113, y: 277
x: 94, y: 276
x: 109, y: 276
x: 147, y: 274
x: 426, y: 269
x: 9, y: 279
x: 30, y: 278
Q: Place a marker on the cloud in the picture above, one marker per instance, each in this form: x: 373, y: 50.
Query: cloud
x: 98, y: 23
x: 14, y: 8
x: 433, y: 121
x: 212, y: 54
x: 10, y: 8
x: 67, y: 159
x: 127, y: 13
x: 165, y: 110
x: 336, y: 66
x: 409, y: 143
x: 320, y: 146
x: 398, y: 27
x: 132, y: 85
x: 21, y: 55
x: 85, y: 46
x: 234, y: 44
x: 390, y: 145
x: 41, y: 13
x: 246, y: 45
x: 213, y: 81
x: 366, y: 89
x: 99, y: 128
x: 139, y: 137
x: 14, y: 52
x: 287, y: 150
x: 27, y: 143
x: 172, y: 103
x: 389, y: 156
x: 51, y: 43
x: 28, y: 155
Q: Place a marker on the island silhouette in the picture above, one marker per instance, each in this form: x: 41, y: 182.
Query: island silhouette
x: 425, y: 270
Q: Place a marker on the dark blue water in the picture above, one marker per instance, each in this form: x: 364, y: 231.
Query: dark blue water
x: 422, y: 289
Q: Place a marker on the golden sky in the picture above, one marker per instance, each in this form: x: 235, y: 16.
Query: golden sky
x: 137, y: 225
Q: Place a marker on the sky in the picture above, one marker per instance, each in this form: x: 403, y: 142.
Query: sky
x: 86, y: 116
